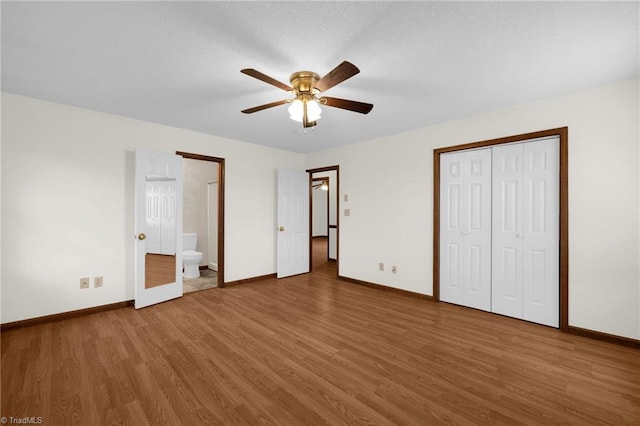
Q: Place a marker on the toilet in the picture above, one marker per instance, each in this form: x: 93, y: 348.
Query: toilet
x: 190, y: 257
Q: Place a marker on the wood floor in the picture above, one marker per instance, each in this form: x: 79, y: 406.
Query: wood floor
x: 313, y: 350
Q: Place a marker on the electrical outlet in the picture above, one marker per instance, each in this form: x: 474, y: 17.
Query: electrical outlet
x: 84, y: 282
x: 347, y: 212
x: 97, y: 282
x: 380, y: 266
x: 394, y: 269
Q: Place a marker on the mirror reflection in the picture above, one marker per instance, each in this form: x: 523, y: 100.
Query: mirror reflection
x: 160, y: 256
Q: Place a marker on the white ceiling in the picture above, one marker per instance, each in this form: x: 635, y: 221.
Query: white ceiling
x: 422, y: 63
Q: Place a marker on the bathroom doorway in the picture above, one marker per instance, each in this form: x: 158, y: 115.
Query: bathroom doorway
x: 324, y: 204
x: 203, y: 215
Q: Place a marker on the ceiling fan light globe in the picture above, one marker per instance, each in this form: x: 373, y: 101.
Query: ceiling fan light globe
x: 313, y: 110
x: 296, y: 110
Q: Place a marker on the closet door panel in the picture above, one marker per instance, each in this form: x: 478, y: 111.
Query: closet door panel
x: 477, y: 229
x: 451, y: 232
x: 507, y: 237
x: 541, y: 280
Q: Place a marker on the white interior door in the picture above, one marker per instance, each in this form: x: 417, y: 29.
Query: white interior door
x: 476, y: 270
x: 451, y: 227
x: 158, y: 277
x: 465, y: 231
x: 508, y: 227
x: 293, y: 223
x: 541, y: 219
x: 526, y: 231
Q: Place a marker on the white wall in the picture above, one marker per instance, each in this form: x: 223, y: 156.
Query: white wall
x: 67, y: 203
x: 391, y: 221
x: 212, y: 224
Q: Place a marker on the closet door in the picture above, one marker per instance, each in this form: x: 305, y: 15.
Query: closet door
x: 525, y: 254
x: 507, y: 201
x: 476, y: 229
x: 541, y: 219
x: 465, y: 235
x: 451, y: 233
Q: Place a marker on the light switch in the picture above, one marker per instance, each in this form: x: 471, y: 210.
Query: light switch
x: 346, y: 197
x: 347, y: 212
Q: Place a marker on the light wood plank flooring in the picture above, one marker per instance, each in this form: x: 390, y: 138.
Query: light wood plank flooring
x: 313, y: 350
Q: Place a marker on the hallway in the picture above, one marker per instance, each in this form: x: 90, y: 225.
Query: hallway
x: 320, y: 262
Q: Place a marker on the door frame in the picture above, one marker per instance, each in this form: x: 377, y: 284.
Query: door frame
x: 221, y: 174
x: 562, y: 133
x: 335, y: 168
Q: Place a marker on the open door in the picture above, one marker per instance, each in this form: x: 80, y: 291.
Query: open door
x: 293, y: 223
x: 158, y: 227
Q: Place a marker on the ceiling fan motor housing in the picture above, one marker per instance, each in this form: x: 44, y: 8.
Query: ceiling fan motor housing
x: 304, y: 82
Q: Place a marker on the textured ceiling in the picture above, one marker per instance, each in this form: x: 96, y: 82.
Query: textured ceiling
x: 422, y: 63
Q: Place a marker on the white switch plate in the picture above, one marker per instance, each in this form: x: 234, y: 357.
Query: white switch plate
x: 346, y: 197
x: 97, y: 282
x: 347, y: 212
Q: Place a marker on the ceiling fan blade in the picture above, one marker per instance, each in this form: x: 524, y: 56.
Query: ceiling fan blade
x: 265, y: 106
x: 361, y: 107
x: 263, y: 77
x: 337, y: 75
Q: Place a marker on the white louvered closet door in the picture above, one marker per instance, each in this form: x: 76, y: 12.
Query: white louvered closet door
x: 465, y: 240
x: 525, y: 254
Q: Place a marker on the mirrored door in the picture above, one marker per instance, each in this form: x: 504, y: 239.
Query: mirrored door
x: 158, y: 224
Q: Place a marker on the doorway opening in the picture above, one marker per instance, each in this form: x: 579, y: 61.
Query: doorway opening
x: 204, y: 217
x: 324, y: 194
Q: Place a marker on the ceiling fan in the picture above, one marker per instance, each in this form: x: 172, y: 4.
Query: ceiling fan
x: 306, y: 86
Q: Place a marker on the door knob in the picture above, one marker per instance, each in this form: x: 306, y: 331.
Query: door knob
x: 281, y: 229
x: 141, y: 236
